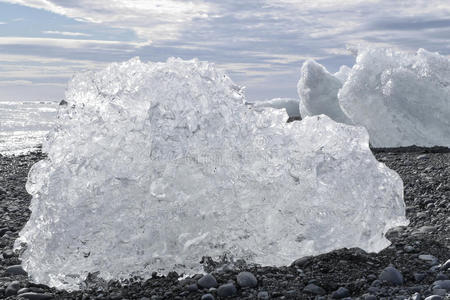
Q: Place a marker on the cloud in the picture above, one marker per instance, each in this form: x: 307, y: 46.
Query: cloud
x: 2, y: 23
x: 261, y: 43
x: 15, y: 82
x: 66, y: 33
x: 21, y: 83
x: 150, y: 20
x: 68, y: 43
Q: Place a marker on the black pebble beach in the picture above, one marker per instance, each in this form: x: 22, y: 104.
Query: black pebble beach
x: 416, y: 265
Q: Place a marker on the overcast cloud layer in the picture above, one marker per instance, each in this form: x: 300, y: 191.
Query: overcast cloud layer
x: 261, y: 43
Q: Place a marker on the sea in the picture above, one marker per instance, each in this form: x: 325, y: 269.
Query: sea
x: 24, y: 124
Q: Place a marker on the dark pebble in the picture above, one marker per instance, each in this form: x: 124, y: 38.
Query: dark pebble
x: 439, y: 292
x: 302, y: 262
x: 442, y: 284
x: 429, y: 259
x: 392, y: 276
x: 192, y: 287
x: 3, y: 231
x: 246, y: 279
x: 419, y: 276
x: 8, y: 253
x: 207, y: 281
x: 36, y: 296
x: 15, y: 270
x: 314, y: 289
x: 227, y: 290
x: 207, y: 297
x: 340, y: 293
x: 12, y: 288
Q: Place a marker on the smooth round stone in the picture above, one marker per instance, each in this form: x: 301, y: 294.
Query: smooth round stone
x: 429, y: 259
x: 36, y: 296
x: 15, y: 270
x: 434, y: 297
x: 207, y: 281
x: 439, y: 292
x: 314, y: 289
x: 12, y: 288
x: 340, y: 293
x: 442, y: 284
x: 246, y: 279
x: 8, y: 253
x: 391, y: 275
x: 192, y: 287
x: 263, y: 295
x: 207, y: 297
x: 301, y: 262
x: 227, y: 290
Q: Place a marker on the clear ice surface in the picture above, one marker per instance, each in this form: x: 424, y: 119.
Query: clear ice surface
x: 343, y: 73
x: 401, y: 98
x: 291, y: 105
x: 153, y: 165
x: 318, y: 89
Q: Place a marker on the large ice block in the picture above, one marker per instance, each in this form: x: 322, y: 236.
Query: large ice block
x: 401, y: 98
x: 318, y: 90
x: 153, y: 165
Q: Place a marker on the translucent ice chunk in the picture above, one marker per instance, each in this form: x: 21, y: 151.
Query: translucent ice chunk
x: 318, y: 89
x: 343, y: 73
x: 153, y: 165
x: 401, y: 98
x: 289, y: 104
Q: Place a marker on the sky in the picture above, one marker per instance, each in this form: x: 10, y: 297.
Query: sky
x: 260, y: 43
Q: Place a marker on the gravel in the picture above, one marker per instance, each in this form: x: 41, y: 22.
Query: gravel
x: 420, y: 251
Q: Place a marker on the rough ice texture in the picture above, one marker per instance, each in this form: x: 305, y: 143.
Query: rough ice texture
x: 152, y: 166
x: 401, y: 98
x: 343, y: 73
x: 289, y: 104
x: 318, y: 90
